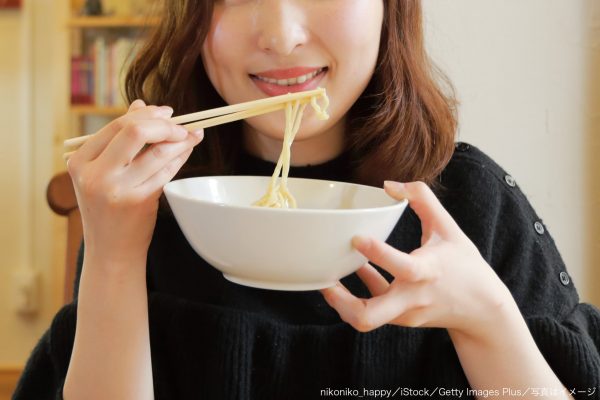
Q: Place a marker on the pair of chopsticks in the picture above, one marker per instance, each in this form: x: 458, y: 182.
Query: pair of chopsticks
x: 222, y: 115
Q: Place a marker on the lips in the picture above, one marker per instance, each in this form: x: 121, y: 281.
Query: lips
x: 283, y: 81
x: 290, y: 81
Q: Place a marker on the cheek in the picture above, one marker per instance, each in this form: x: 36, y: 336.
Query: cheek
x: 352, y: 33
x: 222, y: 46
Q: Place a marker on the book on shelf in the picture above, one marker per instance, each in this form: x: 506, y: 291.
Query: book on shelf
x: 98, y: 77
x: 113, y: 7
x: 81, y: 80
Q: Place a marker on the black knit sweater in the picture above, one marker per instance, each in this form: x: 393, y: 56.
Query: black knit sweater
x: 212, y: 339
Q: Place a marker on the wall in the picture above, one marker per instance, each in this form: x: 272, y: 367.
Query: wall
x: 591, y: 231
x: 15, y: 232
x: 527, y: 75
x: 32, y: 70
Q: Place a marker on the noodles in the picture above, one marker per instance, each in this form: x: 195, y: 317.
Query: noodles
x: 278, y: 195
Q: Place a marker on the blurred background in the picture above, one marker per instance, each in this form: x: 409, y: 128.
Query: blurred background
x: 527, y: 73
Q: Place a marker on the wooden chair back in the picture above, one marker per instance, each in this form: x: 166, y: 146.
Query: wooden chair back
x: 61, y: 199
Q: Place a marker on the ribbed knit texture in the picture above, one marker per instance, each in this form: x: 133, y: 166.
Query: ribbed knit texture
x: 212, y: 339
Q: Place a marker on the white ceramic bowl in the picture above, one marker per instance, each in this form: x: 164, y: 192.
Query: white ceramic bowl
x: 284, y: 249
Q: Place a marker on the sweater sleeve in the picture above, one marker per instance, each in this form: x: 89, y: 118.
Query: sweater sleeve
x: 489, y: 206
x: 44, y: 374
x: 571, y: 346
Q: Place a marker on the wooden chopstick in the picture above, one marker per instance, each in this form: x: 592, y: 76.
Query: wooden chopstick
x: 269, y: 101
x: 222, y: 115
x: 207, y: 123
x: 68, y: 154
x: 77, y: 141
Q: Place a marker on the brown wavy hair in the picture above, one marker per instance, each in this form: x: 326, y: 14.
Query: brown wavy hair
x: 402, y: 127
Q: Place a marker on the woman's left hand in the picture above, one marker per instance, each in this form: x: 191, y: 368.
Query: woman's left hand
x: 445, y: 283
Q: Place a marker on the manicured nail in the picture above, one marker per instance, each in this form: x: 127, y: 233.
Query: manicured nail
x: 394, y: 187
x: 360, y: 242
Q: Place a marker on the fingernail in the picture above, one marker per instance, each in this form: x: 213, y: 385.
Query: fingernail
x: 137, y: 103
x: 360, y: 242
x: 166, y: 111
x: 394, y: 187
x: 330, y: 293
x: 199, y: 133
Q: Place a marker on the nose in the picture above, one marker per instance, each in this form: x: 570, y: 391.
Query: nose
x: 280, y: 25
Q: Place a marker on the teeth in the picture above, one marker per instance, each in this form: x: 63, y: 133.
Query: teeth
x: 291, y: 81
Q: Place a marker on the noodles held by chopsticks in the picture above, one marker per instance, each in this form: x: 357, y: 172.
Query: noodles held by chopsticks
x: 278, y: 195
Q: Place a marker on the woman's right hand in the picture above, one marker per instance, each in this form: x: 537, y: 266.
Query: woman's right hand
x: 118, y: 180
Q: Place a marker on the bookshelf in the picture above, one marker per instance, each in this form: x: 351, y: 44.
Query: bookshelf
x: 101, y: 47
x: 112, y: 22
x: 106, y: 111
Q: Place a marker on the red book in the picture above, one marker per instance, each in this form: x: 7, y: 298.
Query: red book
x: 81, y: 91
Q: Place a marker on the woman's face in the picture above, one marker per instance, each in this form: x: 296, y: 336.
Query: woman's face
x: 261, y: 48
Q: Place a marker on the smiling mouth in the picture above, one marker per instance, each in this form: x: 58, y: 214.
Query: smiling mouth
x: 298, y: 80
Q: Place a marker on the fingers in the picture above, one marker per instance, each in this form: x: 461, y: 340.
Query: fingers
x: 374, y: 281
x: 98, y: 142
x: 425, y: 204
x: 350, y: 308
x: 368, y: 314
x: 124, y: 147
x: 401, y: 265
x: 153, y: 186
x: 155, y: 157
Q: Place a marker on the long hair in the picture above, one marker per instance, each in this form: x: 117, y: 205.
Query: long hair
x: 402, y: 127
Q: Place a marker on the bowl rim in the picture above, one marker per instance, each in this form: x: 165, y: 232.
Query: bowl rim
x: 400, y: 204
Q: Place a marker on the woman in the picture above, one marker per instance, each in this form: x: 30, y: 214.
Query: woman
x: 469, y: 297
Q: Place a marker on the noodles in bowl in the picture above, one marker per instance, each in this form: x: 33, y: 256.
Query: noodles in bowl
x: 278, y: 195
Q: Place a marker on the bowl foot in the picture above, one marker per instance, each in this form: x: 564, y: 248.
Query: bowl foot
x: 288, y: 286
